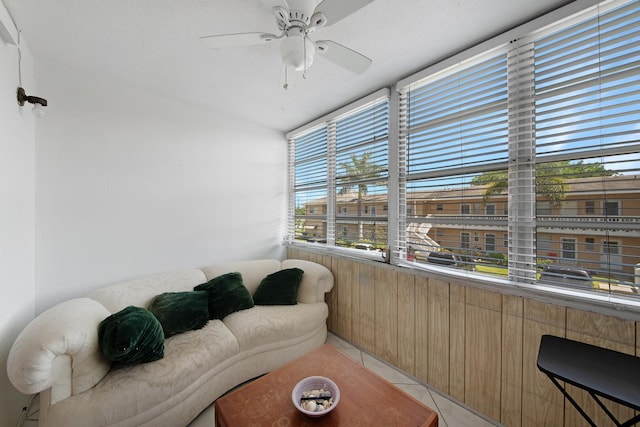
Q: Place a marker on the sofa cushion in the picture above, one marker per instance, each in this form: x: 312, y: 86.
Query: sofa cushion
x: 131, y: 336
x: 268, y: 324
x: 179, y: 312
x: 279, y: 288
x: 227, y: 294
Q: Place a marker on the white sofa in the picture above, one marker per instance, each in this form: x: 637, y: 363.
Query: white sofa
x: 58, y: 356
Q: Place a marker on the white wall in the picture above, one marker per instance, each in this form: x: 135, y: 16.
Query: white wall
x: 16, y: 217
x: 129, y: 184
x: 113, y: 184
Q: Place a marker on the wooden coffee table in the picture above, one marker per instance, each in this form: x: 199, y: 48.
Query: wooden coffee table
x: 366, y: 399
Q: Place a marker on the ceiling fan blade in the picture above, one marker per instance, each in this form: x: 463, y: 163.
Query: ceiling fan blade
x: 335, y: 10
x: 236, y: 40
x: 343, y: 56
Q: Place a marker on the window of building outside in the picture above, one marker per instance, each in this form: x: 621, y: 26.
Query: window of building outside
x: 544, y: 125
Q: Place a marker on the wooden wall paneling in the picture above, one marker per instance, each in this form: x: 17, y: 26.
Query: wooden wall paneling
x: 406, y: 322
x: 603, y: 331
x: 333, y: 313
x: 386, y: 314
x: 422, y: 326
x: 483, y: 343
x: 637, y: 325
x: 479, y: 346
x: 512, y: 331
x: 345, y: 280
x: 457, y: 309
x: 543, y: 404
x: 438, y: 334
x: 364, y: 312
x: 332, y: 297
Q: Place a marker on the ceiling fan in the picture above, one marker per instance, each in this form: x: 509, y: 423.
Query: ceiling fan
x: 296, y: 20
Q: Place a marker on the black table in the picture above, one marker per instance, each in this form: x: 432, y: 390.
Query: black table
x: 599, y: 371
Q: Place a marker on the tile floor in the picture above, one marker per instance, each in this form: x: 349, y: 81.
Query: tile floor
x: 450, y: 413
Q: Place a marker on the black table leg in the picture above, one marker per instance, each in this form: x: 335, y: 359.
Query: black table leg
x: 573, y: 402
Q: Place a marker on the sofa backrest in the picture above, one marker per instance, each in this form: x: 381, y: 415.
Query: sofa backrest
x: 140, y: 292
x: 252, y: 271
x: 316, y: 281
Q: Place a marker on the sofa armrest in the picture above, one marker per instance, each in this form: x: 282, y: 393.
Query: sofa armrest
x: 59, y: 350
x: 316, y: 280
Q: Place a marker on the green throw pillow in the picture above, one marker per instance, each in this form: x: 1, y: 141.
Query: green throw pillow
x: 227, y: 294
x: 279, y: 288
x: 131, y: 336
x: 181, y: 311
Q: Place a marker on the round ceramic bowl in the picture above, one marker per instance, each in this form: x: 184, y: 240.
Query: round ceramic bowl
x: 315, y: 383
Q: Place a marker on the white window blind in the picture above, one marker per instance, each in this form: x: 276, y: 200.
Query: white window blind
x: 362, y: 169
x: 341, y: 174
x: 308, y: 155
x: 587, y: 89
x: 456, y: 128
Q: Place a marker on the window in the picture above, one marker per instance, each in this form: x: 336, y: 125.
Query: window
x: 587, y: 86
x: 534, y: 141
x: 611, y: 208
x: 490, y: 242
x: 345, y: 174
x: 309, y: 181
x: 568, y: 250
x: 464, y: 241
x: 456, y: 130
x: 543, y: 208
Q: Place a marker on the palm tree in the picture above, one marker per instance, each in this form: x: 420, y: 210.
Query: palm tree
x: 550, y: 179
x: 353, y: 174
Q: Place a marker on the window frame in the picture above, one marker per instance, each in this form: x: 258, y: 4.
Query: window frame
x: 337, y: 227
x: 399, y: 210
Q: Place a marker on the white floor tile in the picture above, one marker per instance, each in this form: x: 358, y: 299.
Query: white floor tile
x: 457, y: 416
x: 338, y: 343
x: 385, y: 371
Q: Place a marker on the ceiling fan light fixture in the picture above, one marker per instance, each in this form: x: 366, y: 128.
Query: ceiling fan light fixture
x: 297, y: 51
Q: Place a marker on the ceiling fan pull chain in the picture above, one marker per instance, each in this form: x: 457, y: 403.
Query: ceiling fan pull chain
x: 304, y: 48
x: 286, y: 79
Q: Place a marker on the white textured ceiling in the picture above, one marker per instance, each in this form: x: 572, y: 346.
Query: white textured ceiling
x: 153, y: 44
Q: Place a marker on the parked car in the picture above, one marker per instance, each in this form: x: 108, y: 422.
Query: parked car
x: 566, y: 275
x: 445, y: 258
x: 365, y: 247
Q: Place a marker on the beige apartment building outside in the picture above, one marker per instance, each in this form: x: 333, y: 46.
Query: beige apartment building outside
x: 582, y: 230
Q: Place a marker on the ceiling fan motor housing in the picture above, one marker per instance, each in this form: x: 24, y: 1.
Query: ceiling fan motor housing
x: 302, y: 10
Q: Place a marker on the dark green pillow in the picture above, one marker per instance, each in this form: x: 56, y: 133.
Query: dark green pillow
x: 131, y: 336
x: 279, y: 288
x: 181, y: 311
x: 227, y: 294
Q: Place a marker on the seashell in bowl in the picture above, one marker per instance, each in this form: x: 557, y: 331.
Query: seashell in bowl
x: 315, y: 396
